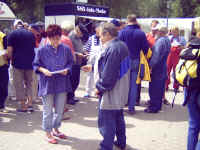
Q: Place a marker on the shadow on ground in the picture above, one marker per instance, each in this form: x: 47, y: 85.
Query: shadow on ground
x: 177, y: 114
x: 75, y: 143
x: 20, y: 122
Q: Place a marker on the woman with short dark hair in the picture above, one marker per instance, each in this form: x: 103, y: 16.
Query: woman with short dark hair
x: 53, y: 63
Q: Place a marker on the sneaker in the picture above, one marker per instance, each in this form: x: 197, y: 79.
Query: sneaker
x: 166, y: 102
x: 21, y: 110
x: 30, y: 109
x: 52, y: 140
x: 59, y: 135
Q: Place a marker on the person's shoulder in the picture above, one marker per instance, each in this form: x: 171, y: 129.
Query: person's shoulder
x: 118, y: 44
x: 14, y: 32
x: 124, y: 29
x: 64, y: 46
x: 139, y: 31
x: 163, y: 40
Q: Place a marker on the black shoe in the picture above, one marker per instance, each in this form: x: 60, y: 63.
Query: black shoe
x: 30, y: 109
x: 147, y: 103
x: 76, y: 100
x: 21, y: 110
x: 71, y: 102
x: 119, y: 146
x: 130, y: 112
x: 166, y: 102
x: 148, y: 110
x: 137, y: 103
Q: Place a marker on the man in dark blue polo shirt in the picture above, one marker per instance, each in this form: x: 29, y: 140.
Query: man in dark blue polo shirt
x: 21, y: 43
x: 136, y: 41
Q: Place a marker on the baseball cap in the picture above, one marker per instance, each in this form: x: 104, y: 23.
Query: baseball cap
x: 116, y: 22
x: 18, y: 22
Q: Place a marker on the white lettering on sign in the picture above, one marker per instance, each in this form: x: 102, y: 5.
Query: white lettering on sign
x: 100, y: 11
x: 81, y: 8
x: 91, y: 9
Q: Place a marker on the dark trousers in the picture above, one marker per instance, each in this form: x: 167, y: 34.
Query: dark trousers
x: 156, y: 92
x: 4, y: 77
x: 75, y: 79
x: 111, y: 123
x: 139, y: 93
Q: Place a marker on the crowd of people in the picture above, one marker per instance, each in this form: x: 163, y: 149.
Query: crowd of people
x: 45, y: 65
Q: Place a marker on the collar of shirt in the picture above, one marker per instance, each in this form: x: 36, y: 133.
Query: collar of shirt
x: 53, y: 48
x: 134, y: 26
x: 108, y: 42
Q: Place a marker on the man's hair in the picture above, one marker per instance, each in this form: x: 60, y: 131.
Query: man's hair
x: 110, y: 28
x: 53, y: 30
x: 175, y: 28
x: 155, y: 21
x: 132, y: 18
x: 163, y: 29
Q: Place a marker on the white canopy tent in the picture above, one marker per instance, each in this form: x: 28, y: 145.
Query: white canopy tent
x: 183, y: 24
x: 5, y: 12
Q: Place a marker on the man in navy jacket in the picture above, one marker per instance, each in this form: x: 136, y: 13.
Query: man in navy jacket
x: 136, y: 41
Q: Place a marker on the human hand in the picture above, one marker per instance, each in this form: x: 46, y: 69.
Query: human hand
x: 45, y: 71
x: 79, y: 54
x: 97, y: 93
x: 5, y: 56
x: 150, y: 70
x: 65, y: 72
x: 87, y: 68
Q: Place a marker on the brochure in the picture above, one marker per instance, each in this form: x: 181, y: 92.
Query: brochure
x: 2, y: 60
x: 2, y: 52
x: 58, y: 71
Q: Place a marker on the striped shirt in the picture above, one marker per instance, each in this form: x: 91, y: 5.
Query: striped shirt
x: 87, y: 46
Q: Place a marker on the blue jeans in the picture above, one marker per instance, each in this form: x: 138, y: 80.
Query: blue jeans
x: 111, y: 123
x: 198, y: 146
x: 194, y: 119
x: 133, y: 90
x: 52, y: 119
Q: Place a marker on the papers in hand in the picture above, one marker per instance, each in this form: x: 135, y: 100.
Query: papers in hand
x: 2, y: 52
x: 58, y: 71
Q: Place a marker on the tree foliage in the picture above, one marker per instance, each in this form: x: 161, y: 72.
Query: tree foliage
x: 33, y: 10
